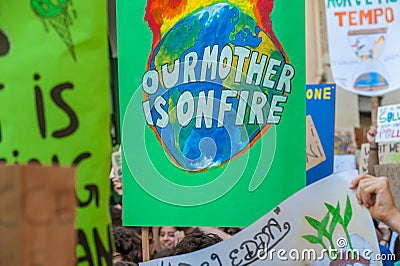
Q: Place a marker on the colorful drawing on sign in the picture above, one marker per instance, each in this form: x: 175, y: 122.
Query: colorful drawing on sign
x: 388, y: 123
x: 368, y: 46
x: 215, y: 106
x: 193, y: 84
x: 320, y: 105
x: 361, y: 37
x: 59, y: 17
x: 289, y: 235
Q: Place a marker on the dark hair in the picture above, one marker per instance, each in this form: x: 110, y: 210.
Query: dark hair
x: 163, y: 253
x: 196, y: 241
x: 116, y: 216
x: 176, y: 227
x: 128, y: 243
x: 125, y: 263
x: 138, y: 229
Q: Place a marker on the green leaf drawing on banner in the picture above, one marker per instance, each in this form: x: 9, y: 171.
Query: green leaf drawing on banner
x: 312, y: 239
x: 322, y: 232
x: 348, y: 213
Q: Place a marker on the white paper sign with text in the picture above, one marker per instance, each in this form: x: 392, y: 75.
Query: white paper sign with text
x: 315, y: 226
x: 388, y: 123
x: 363, y: 39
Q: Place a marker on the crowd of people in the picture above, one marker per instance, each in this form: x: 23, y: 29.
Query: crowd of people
x: 163, y: 241
x: 371, y: 191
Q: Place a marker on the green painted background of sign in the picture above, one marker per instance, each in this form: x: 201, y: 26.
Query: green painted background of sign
x: 35, y: 51
x: 238, y: 207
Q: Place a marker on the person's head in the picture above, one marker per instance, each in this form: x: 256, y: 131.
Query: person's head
x: 116, y: 215
x: 167, y: 237
x: 196, y: 241
x: 128, y: 244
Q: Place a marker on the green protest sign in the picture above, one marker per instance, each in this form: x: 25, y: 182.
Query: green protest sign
x: 213, y: 108
x: 54, y: 103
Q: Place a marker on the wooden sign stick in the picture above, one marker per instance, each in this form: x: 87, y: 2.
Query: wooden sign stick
x: 145, y: 244
x: 374, y: 110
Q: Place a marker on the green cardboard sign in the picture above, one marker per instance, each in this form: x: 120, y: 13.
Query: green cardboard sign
x: 213, y: 109
x: 54, y: 102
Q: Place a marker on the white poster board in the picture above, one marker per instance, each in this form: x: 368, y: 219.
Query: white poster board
x: 388, y: 123
x: 288, y: 235
x: 364, y: 49
x: 344, y: 162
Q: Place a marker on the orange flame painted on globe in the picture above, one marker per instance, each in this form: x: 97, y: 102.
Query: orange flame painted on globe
x: 161, y: 15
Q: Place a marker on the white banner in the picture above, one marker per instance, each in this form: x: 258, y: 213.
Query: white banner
x: 364, y: 50
x: 318, y: 224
